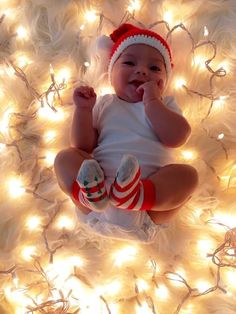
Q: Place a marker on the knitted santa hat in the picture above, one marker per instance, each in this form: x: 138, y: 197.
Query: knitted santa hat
x: 127, y: 35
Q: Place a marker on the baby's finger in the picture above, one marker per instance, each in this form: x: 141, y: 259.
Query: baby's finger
x: 140, y: 89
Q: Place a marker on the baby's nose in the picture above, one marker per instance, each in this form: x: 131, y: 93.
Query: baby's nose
x: 141, y: 70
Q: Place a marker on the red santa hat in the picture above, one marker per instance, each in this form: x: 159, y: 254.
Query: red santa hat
x: 127, y: 35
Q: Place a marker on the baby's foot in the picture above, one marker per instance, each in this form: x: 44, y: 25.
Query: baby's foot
x: 127, y: 183
x: 92, y: 192
x: 129, y: 191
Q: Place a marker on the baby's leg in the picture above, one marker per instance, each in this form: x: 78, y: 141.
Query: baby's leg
x: 67, y: 165
x: 174, y: 185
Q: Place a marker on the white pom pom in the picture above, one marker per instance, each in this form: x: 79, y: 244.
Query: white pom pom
x: 104, y: 44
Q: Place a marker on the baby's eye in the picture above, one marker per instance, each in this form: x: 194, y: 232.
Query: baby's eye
x: 155, y: 68
x: 129, y: 62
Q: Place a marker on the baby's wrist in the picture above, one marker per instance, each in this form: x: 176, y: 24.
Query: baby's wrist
x: 154, y: 102
x: 84, y: 108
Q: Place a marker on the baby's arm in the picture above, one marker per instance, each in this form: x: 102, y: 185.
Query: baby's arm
x: 83, y: 135
x: 172, y: 129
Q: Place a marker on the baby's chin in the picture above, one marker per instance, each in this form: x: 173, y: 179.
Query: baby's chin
x: 131, y: 97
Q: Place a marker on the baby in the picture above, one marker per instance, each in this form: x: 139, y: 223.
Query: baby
x: 119, y: 170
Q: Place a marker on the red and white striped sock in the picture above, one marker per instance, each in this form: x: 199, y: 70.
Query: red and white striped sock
x: 89, y: 188
x: 130, y: 192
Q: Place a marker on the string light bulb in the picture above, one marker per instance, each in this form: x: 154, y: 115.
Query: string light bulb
x: 189, y: 155
x: 90, y: 16
x: 126, y: 254
x: 179, y: 83
x: 65, y: 222
x: 28, y: 252
x: 206, y: 32
x: 162, y: 292
x: 199, y: 61
x: 202, y: 286
x: 33, y: 222
x: 50, y: 157
x: 168, y: 17
x: 221, y: 136
x: 2, y: 147
x: 63, y: 75
x: 86, y: 64
x: 134, y: 5
x: 50, y: 136
x: 21, y: 32
x: 16, y: 188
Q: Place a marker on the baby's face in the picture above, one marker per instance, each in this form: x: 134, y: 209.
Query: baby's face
x: 136, y: 65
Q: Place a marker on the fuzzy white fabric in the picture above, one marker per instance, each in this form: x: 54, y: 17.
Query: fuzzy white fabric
x: 55, y: 37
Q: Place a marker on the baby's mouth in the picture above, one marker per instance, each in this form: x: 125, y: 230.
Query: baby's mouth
x: 136, y: 83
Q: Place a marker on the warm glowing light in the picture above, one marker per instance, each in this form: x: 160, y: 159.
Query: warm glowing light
x: 86, y: 64
x: 225, y: 65
x: 110, y: 289
x: 206, y: 32
x: 5, y: 121
x: 231, y: 277
x: 2, y: 147
x: 33, y: 222
x: 142, y: 285
x: 90, y: 16
x: 21, y: 32
x: 205, y: 246
x: 15, y: 186
x: 75, y: 261
x: 2, y: 72
x: 82, y: 27
x: 124, y: 255
x: 50, y: 157
x: 49, y: 136
x: 105, y: 90
x: 134, y: 5
x: 179, y: 83
x: 189, y: 309
x: 64, y: 75
x: 189, y: 154
x: 23, y: 61
x: 28, y: 252
x: 143, y: 309
x: 65, y: 222
x: 219, y: 103
x: 226, y: 219
x: 221, y: 136
x: 168, y: 17
x: 199, y: 61
x: 203, y: 286
x: 162, y: 292
x: 48, y: 114
x: 10, y: 71
x: 18, y: 297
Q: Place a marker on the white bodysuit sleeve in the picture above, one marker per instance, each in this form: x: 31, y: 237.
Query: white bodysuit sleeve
x: 169, y: 101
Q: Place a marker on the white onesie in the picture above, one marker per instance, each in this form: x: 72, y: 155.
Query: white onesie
x: 124, y: 128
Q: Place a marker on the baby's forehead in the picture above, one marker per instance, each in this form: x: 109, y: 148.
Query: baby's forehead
x: 138, y: 50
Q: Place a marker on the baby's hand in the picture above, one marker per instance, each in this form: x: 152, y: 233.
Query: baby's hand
x: 151, y: 91
x: 84, y: 97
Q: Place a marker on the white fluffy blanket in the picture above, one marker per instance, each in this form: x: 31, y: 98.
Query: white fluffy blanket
x: 48, y: 262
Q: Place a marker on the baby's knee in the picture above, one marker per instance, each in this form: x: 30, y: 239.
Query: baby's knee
x: 62, y: 156
x: 190, y: 175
